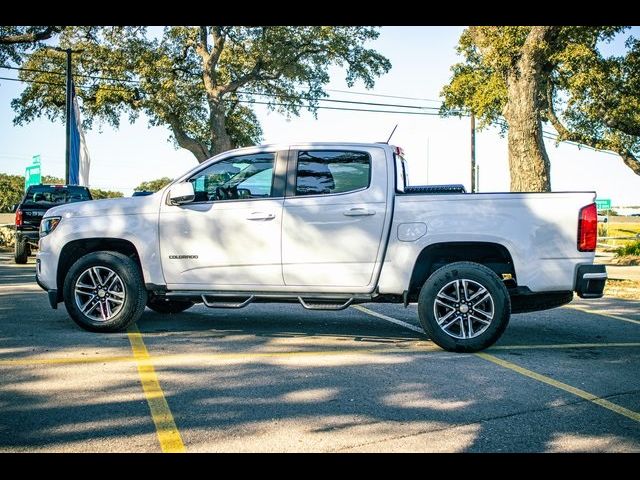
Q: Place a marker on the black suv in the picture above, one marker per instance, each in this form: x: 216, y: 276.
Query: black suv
x: 37, y: 200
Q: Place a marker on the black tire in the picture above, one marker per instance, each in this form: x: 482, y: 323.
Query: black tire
x: 477, y: 276
x: 21, y: 251
x: 132, y: 287
x: 164, y: 305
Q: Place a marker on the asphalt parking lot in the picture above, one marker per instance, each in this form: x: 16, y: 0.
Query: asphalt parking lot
x: 277, y: 378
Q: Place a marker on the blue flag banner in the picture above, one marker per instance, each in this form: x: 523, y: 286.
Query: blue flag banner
x: 80, y: 162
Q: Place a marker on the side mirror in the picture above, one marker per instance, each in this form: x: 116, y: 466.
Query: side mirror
x: 181, y: 193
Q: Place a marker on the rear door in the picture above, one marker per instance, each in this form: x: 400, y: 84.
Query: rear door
x: 334, y: 216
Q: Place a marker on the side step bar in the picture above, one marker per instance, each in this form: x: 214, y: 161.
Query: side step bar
x: 324, y: 306
x: 221, y: 304
x: 317, y: 301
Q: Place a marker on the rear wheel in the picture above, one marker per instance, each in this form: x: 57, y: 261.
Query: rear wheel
x: 464, y: 307
x: 104, y: 292
x: 164, y: 305
x: 21, y: 251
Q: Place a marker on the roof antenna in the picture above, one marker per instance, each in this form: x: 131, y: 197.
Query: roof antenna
x: 392, y: 132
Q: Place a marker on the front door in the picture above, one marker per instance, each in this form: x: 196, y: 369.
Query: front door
x: 334, y: 217
x: 229, y: 236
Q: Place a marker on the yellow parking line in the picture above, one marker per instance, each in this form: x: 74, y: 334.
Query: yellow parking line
x: 625, y: 412
x: 67, y: 360
x: 564, y: 345
x: 596, y: 312
x: 194, y: 357
x: 168, y: 434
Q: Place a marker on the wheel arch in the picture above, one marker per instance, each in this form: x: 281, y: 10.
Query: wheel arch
x: 492, y: 255
x: 76, y: 249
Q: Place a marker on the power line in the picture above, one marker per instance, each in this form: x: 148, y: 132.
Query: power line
x: 384, y: 96
x: 252, y: 102
x: 343, y: 108
x: 546, y: 134
x: 95, y: 77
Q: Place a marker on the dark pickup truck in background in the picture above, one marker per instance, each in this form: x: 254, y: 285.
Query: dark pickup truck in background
x: 36, y: 201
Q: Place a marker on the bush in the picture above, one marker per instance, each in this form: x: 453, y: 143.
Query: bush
x: 629, y: 249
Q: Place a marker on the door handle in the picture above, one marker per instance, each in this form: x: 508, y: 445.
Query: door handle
x: 261, y: 216
x: 358, y: 212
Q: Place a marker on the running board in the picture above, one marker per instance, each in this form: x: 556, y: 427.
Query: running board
x: 324, y: 306
x: 239, y: 299
x: 215, y: 304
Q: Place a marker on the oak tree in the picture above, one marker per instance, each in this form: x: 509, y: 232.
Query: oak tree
x: 522, y: 77
x: 198, y: 81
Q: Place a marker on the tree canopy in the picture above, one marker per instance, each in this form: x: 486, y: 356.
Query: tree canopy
x: 198, y: 81
x: 16, y: 41
x: 520, y: 77
x: 153, y: 185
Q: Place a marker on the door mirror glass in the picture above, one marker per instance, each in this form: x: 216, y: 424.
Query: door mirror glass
x: 181, y: 193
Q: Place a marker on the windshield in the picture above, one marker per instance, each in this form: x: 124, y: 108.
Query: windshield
x: 49, y: 195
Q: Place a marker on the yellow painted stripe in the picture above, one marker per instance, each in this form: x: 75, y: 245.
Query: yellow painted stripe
x: 196, y: 357
x: 168, y: 434
x: 564, y: 345
x: 625, y: 412
x: 596, y: 312
x: 67, y: 360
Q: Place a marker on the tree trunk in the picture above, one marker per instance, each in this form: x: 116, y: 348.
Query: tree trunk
x: 220, y: 139
x: 528, y: 161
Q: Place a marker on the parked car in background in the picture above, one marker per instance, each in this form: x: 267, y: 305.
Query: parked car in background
x: 29, y: 212
x: 603, y: 218
x: 142, y: 193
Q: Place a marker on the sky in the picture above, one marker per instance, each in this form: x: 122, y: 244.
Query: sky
x: 437, y: 149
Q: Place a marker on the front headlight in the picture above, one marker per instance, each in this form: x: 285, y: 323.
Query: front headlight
x: 48, y: 225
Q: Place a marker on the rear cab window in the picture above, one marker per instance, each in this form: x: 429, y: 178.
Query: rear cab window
x: 324, y: 172
x: 47, y: 196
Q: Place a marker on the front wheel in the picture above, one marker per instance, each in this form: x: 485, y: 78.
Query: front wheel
x: 464, y: 307
x: 104, y: 292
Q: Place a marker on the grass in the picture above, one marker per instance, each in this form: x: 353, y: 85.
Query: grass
x: 617, y: 229
x: 628, y: 289
x: 632, y: 248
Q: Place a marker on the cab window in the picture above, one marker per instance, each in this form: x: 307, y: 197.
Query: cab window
x: 237, y: 178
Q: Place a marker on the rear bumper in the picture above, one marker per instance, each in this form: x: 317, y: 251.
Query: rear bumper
x: 30, y: 236
x: 590, y: 280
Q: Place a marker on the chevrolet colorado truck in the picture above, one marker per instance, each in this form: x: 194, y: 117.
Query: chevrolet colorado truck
x: 29, y: 212
x: 326, y: 225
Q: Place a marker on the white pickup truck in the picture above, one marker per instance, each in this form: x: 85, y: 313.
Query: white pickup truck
x: 326, y: 225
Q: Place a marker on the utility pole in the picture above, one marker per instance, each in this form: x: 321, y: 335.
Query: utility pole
x: 473, y: 154
x: 67, y: 156
x: 68, y: 107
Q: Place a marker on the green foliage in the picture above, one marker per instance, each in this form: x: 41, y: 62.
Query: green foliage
x: 154, y: 185
x: 16, y: 41
x: 587, y: 97
x: 11, y: 191
x: 198, y: 81
x: 98, y: 194
x: 49, y: 180
x: 629, y: 249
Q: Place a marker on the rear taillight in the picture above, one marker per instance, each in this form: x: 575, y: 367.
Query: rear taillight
x: 588, y: 228
x: 18, y: 218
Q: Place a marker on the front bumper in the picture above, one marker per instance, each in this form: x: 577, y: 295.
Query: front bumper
x: 590, y: 280
x: 52, y: 294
